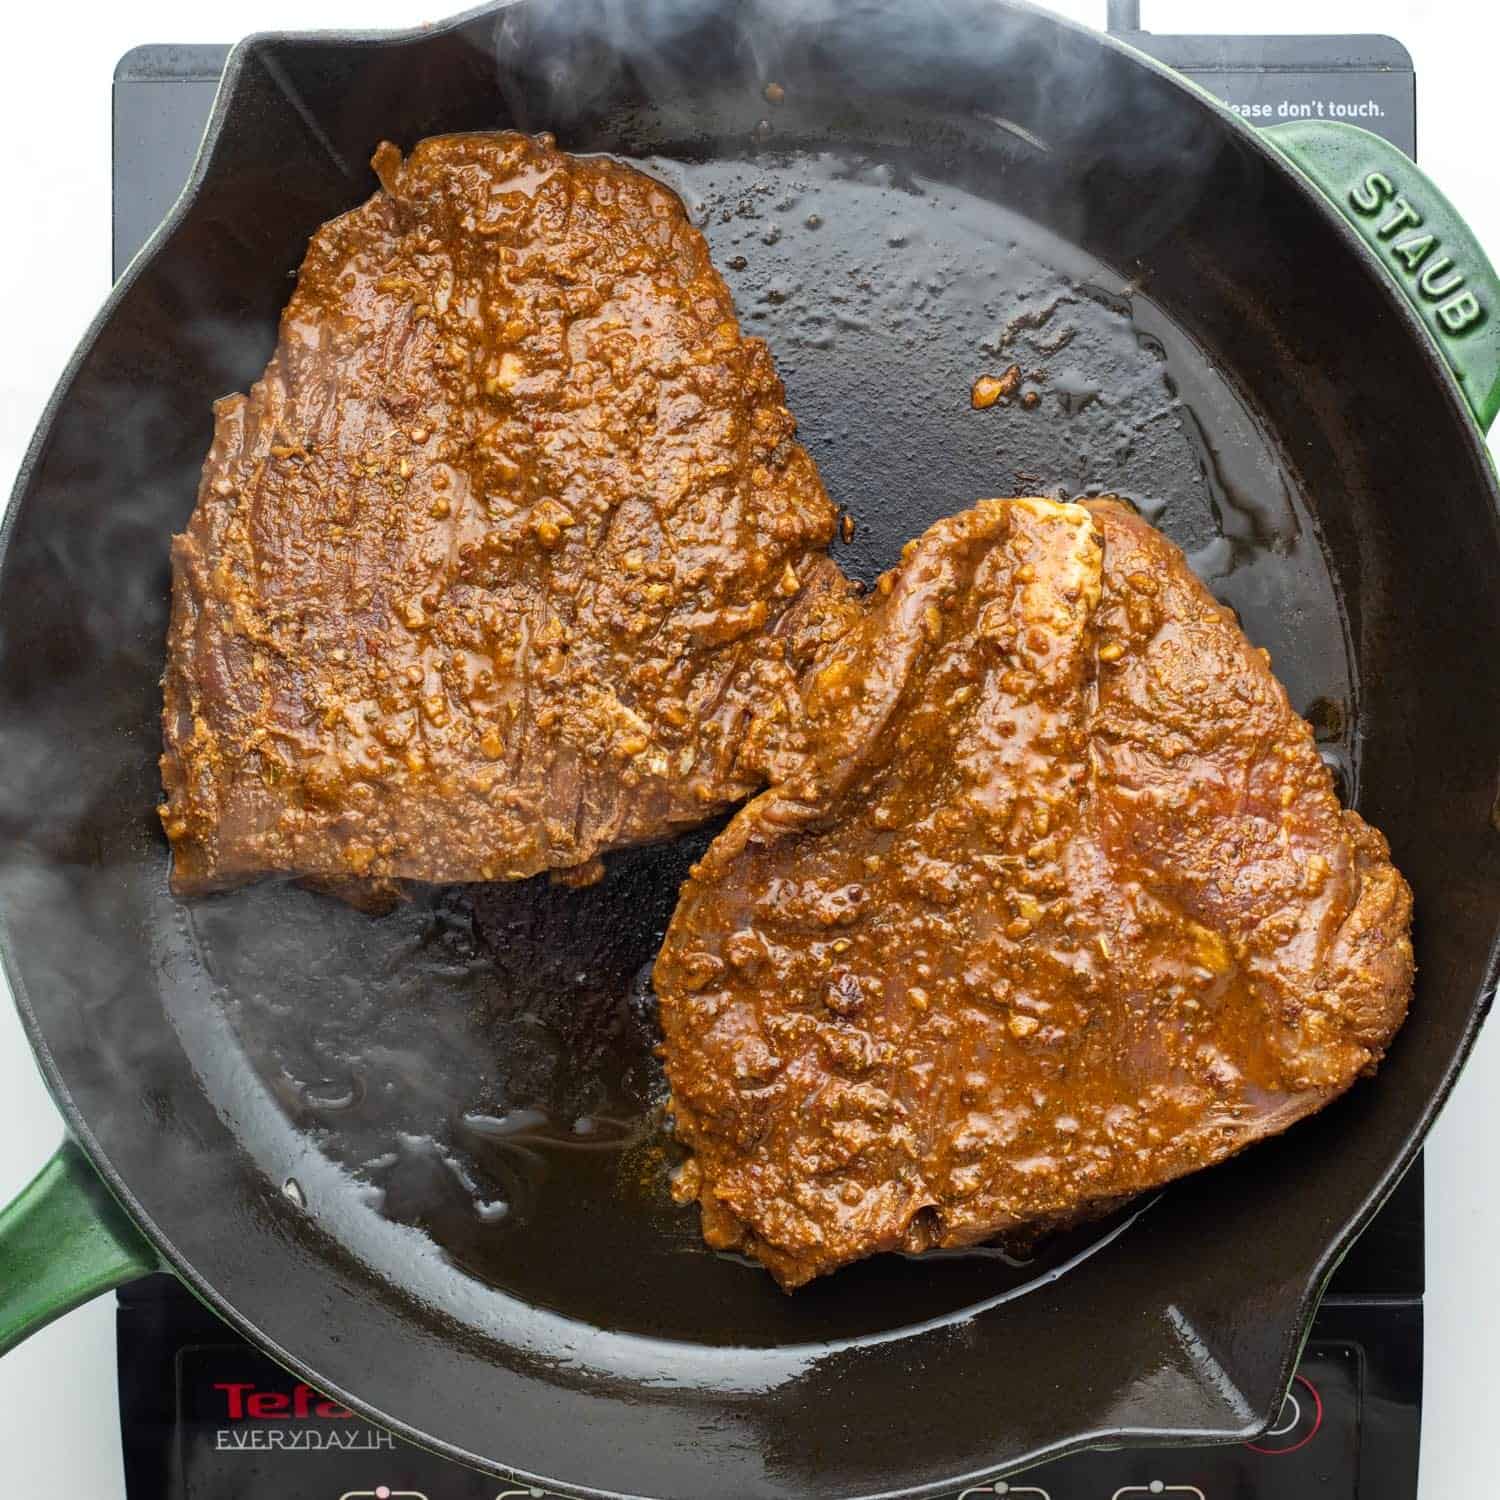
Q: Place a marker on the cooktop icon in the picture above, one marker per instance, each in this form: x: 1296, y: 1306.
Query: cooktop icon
x: 382, y: 1492
x: 1159, y: 1487
x: 1007, y: 1491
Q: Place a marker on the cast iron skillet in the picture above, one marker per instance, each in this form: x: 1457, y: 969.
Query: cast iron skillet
x: 419, y: 1160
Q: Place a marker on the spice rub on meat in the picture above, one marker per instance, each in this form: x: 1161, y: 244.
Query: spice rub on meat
x: 1059, y: 905
x: 509, y: 555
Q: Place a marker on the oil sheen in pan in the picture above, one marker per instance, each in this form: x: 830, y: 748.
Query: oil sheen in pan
x: 479, y: 1065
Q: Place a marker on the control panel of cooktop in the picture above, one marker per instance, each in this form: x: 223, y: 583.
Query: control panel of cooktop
x: 249, y: 1430
x: 244, y: 1427
x: 205, y: 1416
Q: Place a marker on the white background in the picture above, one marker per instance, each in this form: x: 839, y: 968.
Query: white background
x: 58, y: 1414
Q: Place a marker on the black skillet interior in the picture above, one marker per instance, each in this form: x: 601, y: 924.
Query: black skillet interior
x: 421, y: 1157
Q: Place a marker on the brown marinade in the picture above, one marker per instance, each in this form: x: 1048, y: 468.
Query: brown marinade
x: 1059, y: 905
x: 504, y: 561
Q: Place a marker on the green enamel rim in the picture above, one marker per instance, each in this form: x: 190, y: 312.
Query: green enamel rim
x: 1418, y: 237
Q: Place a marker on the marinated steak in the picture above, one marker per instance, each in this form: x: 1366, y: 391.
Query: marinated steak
x: 506, y: 558
x: 1059, y: 905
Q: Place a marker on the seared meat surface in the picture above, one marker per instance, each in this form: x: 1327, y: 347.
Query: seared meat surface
x: 1058, y: 906
x: 506, y: 559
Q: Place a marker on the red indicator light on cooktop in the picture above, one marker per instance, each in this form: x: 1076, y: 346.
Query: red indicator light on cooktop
x: 1301, y: 1417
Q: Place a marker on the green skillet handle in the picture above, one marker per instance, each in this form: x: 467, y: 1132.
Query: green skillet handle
x: 1420, y: 239
x: 63, y: 1241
